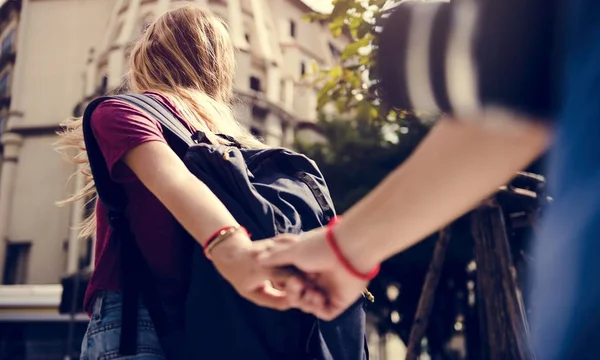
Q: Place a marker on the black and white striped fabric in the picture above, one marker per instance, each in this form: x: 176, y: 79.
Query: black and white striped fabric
x: 466, y: 56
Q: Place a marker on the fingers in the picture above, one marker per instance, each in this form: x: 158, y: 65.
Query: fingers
x: 261, y: 245
x: 284, y: 253
x: 278, y: 258
x: 295, y: 295
x: 302, y: 294
x: 268, y: 296
x: 312, y: 301
x: 269, y: 244
x: 327, y: 313
x: 285, y: 239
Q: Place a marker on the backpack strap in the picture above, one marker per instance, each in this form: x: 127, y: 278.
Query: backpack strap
x: 169, y: 121
x: 134, y: 269
x: 158, y: 111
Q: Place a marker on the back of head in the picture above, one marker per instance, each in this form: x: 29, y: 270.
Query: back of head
x: 187, y: 55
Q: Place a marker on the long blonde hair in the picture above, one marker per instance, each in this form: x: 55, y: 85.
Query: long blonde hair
x: 187, y: 55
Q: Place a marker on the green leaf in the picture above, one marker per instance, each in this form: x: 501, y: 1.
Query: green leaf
x: 336, y: 26
x: 315, y: 16
x: 364, y: 29
x: 341, y: 7
x: 378, y: 3
x: 352, y: 49
x: 373, y: 112
x: 336, y: 72
x: 314, y: 67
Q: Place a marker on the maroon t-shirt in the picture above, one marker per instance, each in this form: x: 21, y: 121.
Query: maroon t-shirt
x: 118, y: 128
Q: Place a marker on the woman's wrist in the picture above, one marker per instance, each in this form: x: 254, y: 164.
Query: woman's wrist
x: 232, y: 248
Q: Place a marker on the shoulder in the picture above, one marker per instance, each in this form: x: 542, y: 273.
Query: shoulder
x: 119, y: 127
x: 117, y: 116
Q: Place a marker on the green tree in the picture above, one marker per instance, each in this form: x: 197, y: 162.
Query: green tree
x: 350, y: 85
x: 365, y: 142
x: 370, y: 139
x: 359, y: 154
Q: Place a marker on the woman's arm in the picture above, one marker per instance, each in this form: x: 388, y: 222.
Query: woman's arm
x: 201, y: 213
x: 192, y: 203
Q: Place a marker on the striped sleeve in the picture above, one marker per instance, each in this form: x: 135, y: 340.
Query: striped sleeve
x: 466, y: 57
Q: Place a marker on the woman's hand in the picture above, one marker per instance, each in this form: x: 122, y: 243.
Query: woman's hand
x: 236, y: 260
x: 323, y: 273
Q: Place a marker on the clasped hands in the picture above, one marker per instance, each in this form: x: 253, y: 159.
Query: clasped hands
x: 291, y: 272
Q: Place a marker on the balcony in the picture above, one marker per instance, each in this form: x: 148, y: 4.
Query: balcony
x: 259, y: 103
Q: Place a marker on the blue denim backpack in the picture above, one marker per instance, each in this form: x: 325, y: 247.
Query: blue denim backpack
x: 269, y: 192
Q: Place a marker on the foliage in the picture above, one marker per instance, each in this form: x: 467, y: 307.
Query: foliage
x: 365, y: 143
x: 370, y: 139
x: 350, y: 85
x: 359, y: 154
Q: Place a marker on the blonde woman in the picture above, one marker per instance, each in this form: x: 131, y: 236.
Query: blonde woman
x: 185, y: 60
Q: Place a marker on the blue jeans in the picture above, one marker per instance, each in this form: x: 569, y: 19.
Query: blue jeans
x: 101, y: 340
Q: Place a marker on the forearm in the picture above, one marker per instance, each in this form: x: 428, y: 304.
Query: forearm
x: 197, y: 209
x: 190, y: 201
x: 455, y: 167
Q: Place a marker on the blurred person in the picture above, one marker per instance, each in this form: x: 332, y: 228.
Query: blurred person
x: 514, y: 77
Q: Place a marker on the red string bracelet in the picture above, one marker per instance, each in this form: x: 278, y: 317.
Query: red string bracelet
x: 214, y: 235
x: 220, y: 235
x: 342, y: 259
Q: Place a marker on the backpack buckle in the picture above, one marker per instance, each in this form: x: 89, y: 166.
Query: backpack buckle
x: 199, y: 137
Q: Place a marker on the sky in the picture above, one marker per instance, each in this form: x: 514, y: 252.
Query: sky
x: 318, y: 5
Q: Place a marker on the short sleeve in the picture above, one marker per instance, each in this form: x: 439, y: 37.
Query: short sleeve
x: 118, y: 128
x: 466, y: 58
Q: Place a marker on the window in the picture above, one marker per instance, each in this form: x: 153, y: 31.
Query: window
x: 17, y: 263
x: 302, y: 68
x: 292, y: 29
x: 255, y: 83
x: 104, y: 85
x: 4, y: 84
x: 282, y: 91
x: 8, y: 42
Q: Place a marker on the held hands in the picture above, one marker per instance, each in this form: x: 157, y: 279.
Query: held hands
x: 323, y: 272
x: 309, y: 272
x: 236, y: 260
